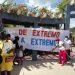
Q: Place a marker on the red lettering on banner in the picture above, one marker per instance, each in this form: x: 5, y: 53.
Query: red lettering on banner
x: 34, y: 32
x: 45, y: 33
x: 49, y: 34
x: 42, y: 33
x: 58, y: 34
x: 38, y: 33
x: 55, y: 34
x: 22, y: 31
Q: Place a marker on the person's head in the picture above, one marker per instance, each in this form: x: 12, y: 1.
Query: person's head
x: 66, y: 37
x: 8, y: 36
x: 57, y: 40
x: 2, y: 36
x: 17, y: 38
x: 21, y: 47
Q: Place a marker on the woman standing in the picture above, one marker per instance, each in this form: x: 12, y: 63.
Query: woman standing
x: 7, y: 55
x: 62, y: 51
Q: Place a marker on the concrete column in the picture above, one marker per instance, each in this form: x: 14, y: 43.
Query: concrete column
x: 67, y: 18
x: 1, y: 24
x: 34, y: 52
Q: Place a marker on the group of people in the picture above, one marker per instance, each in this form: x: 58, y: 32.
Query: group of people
x: 64, y: 49
x: 10, y: 51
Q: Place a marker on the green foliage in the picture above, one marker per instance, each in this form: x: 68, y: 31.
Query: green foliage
x: 72, y: 29
x: 9, y: 25
x: 34, y: 10
x: 22, y: 9
x: 62, y: 5
x: 4, y: 2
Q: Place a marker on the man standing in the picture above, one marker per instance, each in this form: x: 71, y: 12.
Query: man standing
x: 67, y: 43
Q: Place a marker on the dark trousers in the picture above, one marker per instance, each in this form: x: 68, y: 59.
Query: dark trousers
x: 4, y: 72
x: 68, y: 54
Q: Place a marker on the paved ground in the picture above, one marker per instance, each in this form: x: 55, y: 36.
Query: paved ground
x: 44, y: 66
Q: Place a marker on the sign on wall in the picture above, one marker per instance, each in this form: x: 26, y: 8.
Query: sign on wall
x: 38, y: 38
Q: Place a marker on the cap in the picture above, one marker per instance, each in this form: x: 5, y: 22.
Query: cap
x: 57, y: 39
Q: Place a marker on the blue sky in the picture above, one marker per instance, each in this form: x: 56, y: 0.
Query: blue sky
x: 50, y: 4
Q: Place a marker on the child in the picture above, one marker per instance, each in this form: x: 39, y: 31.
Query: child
x: 20, y: 55
x: 16, y: 51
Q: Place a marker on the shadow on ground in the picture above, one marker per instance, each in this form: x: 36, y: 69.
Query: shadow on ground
x: 29, y: 65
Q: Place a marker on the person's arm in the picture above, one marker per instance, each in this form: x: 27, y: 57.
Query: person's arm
x: 12, y: 49
x: 55, y: 48
x: 0, y: 51
x: 70, y: 43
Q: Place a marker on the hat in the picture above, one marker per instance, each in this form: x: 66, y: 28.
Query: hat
x: 57, y: 39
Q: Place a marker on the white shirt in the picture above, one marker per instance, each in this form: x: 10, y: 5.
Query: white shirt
x: 61, y: 47
x: 20, y: 53
x: 67, y: 44
x: 60, y: 43
x: 8, y: 45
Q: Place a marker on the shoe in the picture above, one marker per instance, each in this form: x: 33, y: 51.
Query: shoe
x: 62, y: 64
x: 59, y: 62
x: 16, y: 63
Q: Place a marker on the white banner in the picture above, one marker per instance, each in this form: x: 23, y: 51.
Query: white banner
x: 38, y: 38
